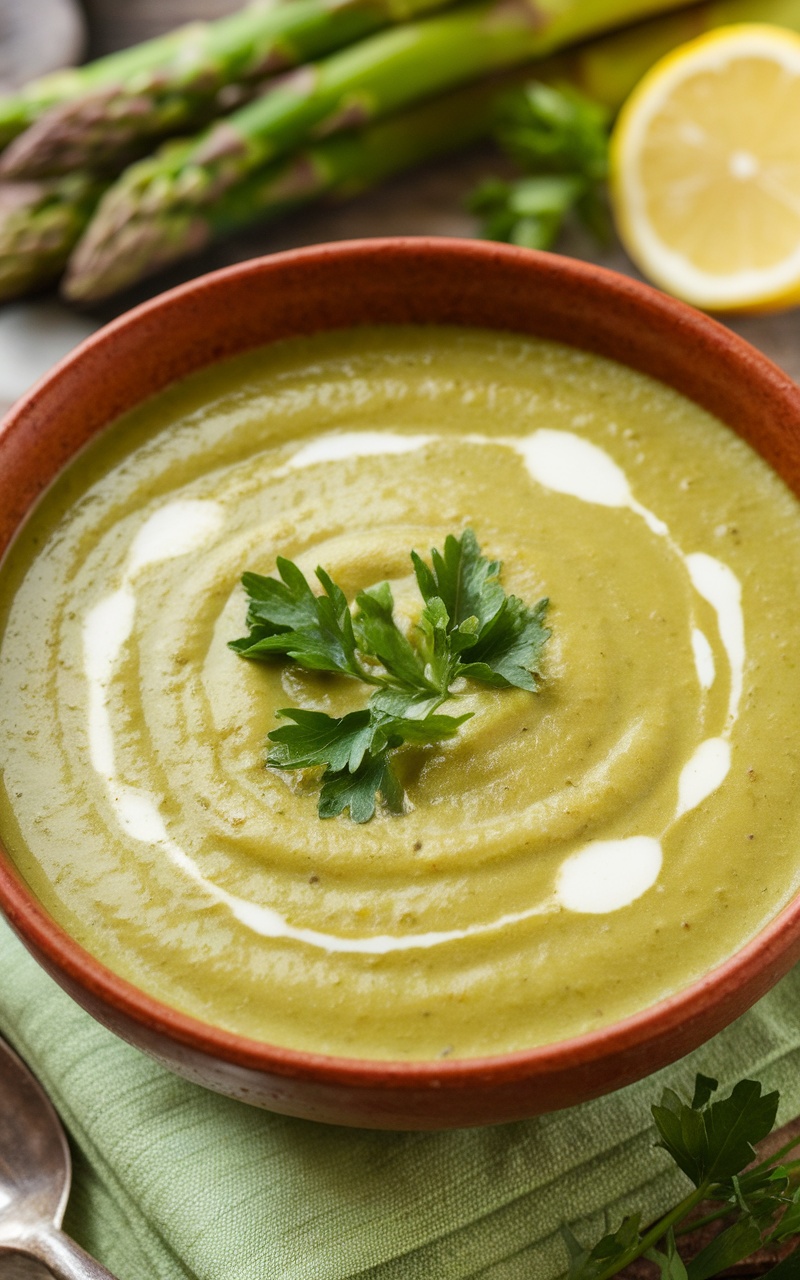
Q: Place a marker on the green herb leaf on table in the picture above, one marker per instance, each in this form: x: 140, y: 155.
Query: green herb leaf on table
x: 468, y: 627
x: 559, y: 139
x: 529, y: 212
x: 712, y: 1141
x: 788, y: 1269
x: 704, y: 1087
x: 669, y: 1263
x: 725, y: 1250
x: 609, y: 1251
x: 555, y: 129
x: 790, y: 1223
x: 716, y: 1140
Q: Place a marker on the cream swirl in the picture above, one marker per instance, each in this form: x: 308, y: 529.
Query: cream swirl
x: 598, y: 875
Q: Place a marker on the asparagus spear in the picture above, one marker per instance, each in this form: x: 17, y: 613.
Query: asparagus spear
x: 608, y: 68
x: 39, y: 225
x: 371, y: 79
x: 342, y: 165
x: 102, y: 115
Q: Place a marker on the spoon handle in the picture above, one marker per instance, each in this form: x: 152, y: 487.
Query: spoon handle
x: 65, y: 1259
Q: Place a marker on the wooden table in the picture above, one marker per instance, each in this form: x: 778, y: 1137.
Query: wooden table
x: 427, y: 202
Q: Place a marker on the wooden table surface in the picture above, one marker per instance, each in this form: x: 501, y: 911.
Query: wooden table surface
x: 428, y: 202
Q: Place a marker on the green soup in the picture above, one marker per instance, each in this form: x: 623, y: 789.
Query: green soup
x: 570, y: 857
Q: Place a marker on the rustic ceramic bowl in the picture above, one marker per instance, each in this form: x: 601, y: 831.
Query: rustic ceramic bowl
x: 415, y: 281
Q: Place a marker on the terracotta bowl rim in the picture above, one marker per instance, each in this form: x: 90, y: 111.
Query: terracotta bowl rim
x: 34, y: 925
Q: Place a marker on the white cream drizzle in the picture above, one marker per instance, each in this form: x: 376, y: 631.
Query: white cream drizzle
x: 703, y: 659
x: 706, y: 770
x: 105, y: 629
x: 140, y: 819
x: 602, y: 877
x: 566, y: 463
x: 609, y: 874
x: 138, y: 816
x: 718, y: 584
x: 340, y: 446
x: 174, y: 530
x: 271, y: 924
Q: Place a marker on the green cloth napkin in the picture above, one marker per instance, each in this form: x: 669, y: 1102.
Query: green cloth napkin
x: 175, y: 1183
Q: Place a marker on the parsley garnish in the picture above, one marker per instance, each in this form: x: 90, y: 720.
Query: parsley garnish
x: 712, y: 1142
x: 467, y: 628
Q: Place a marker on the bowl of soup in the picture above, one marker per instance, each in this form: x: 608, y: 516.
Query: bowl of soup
x: 591, y: 876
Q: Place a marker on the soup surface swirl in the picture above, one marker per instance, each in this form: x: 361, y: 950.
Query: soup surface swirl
x: 570, y: 857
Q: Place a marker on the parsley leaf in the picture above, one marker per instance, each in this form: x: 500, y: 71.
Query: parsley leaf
x: 315, y: 739
x: 790, y: 1222
x: 357, y: 791
x: 491, y: 637
x: 670, y: 1264
x: 467, y: 584
x: 612, y: 1249
x: 509, y: 651
x: 559, y: 139
x: 712, y: 1142
x: 729, y: 1247
x: 529, y: 212
x: 288, y: 618
x: 704, y: 1087
x: 468, y: 627
x: 355, y: 748
x: 555, y: 129
x: 379, y: 636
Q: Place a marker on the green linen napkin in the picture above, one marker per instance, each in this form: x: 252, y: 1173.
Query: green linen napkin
x: 175, y: 1183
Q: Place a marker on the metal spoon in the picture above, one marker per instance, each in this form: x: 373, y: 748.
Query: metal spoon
x: 35, y: 1174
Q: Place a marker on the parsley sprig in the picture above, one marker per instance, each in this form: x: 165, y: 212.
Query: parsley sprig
x: 468, y: 628
x: 559, y: 139
x: 712, y: 1141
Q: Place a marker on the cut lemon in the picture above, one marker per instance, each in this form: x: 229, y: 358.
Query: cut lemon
x: 705, y: 170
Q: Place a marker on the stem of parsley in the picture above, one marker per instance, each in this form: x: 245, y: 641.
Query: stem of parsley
x: 713, y: 1142
x: 697, y: 1223
x: 652, y: 1237
x: 726, y: 1209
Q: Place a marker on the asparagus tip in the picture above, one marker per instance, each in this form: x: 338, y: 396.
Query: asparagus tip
x: 106, y: 263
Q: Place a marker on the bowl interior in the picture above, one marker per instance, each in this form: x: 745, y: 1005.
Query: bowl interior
x: 401, y: 282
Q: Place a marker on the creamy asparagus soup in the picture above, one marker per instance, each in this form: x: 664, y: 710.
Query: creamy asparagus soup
x: 573, y: 853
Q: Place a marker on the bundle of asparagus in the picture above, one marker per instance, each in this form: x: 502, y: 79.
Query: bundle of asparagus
x: 403, y: 85
x: 96, y: 116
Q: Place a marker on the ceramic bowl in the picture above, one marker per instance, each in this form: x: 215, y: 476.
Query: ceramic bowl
x: 417, y: 281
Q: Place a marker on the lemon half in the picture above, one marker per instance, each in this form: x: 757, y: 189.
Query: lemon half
x: 705, y: 170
